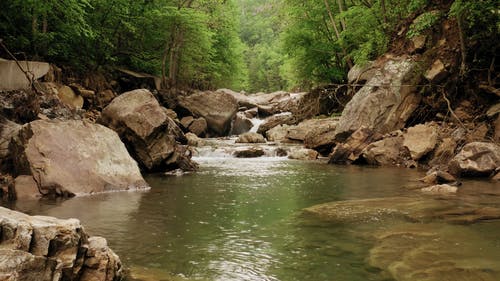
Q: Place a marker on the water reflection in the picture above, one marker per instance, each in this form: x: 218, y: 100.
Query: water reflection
x: 240, y: 219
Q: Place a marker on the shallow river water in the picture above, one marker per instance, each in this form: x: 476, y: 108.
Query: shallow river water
x: 242, y: 219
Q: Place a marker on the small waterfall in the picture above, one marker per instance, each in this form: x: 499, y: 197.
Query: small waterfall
x: 256, y: 123
x: 226, y: 148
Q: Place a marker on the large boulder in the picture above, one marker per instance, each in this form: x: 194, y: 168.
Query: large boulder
x: 68, y: 158
x: 385, y: 103
x: 7, y: 130
x: 420, y: 140
x: 145, y: 128
x: 322, y: 136
x: 198, y: 127
x: 303, y: 154
x: 348, y: 152
x: 218, y: 109
x: 242, y: 99
x: 359, y: 74
x: 301, y: 130
x: 386, y: 152
x: 278, y: 133
x: 275, y: 120
x: 476, y: 159
x: 46, y: 248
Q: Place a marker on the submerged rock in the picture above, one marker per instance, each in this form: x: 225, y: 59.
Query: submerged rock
x: 385, y: 103
x: 46, y: 248
x: 434, y: 252
x: 218, y: 109
x: 405, y: 208
x: 476, y: 159
x: 68, y: 158
x: 438, y: 177
x: 440, y: 189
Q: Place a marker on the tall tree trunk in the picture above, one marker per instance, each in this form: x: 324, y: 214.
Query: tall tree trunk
x: 173, y: 50
x: 45, y: 23
x: 384, y: 12
x: 34, y: 32
x: 173, y: 69
x: 168, y: 46
x: 341, y: 4
x: 463, y: 50
x: 334, y: 24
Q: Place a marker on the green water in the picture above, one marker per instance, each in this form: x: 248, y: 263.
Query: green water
x: 241, y: 219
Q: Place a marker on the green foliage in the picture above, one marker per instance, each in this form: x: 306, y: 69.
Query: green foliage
x: 481, y: 23
x: 423, y: 22
x: 416, y: 5
x: 141, y: 35
x: 45, y: 28
x: 260, y: 28
x: 365, y: 38
x: 257, y: 45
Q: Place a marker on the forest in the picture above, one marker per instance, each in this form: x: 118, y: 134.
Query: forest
x: 249, y: 140
x: 251, y: 45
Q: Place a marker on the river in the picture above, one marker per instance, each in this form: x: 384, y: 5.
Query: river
x: 242, y: 219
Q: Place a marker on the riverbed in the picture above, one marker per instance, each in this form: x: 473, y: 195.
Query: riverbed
x: 242, y: 219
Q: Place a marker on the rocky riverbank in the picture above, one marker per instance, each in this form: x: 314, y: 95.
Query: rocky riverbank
x: 46, y: 248
x: 65, y: 137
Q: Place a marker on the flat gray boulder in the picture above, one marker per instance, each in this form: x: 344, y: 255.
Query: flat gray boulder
x: 385, y: 103
x: 67, y: 158
x: 218, y: 109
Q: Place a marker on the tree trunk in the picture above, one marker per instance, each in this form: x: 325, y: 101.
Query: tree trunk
x: 334, y: 24
x: 173, y: 69
x: 384, y: 12
x: 463, y: 50
x: 173, y: 50
x: 34, y: 32
x: 342, y: 9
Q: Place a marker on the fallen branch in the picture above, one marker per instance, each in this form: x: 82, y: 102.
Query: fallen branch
x: 451, y: 110
x: 28, y: 74
x: 490, y: 89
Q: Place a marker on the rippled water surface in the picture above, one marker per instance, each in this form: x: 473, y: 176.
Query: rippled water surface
x: 240, y: 219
